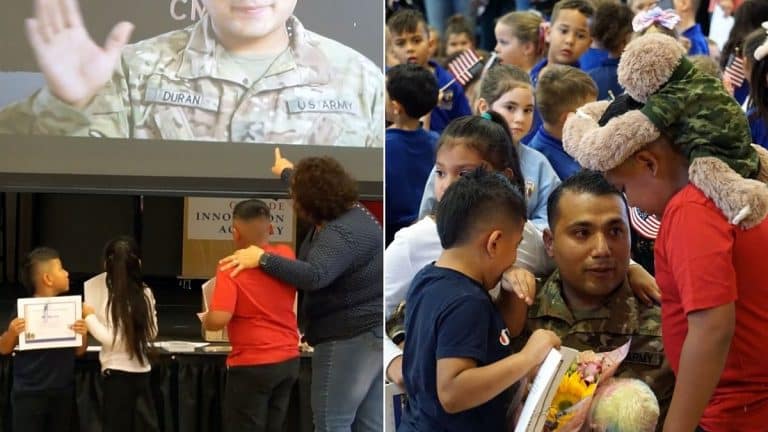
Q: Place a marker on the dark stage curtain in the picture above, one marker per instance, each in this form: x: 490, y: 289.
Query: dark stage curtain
x: 187, y: 391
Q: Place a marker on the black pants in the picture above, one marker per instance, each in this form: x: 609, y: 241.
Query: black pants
x: 127, y: 405
x: 256, y: 397
x: 43, y: 411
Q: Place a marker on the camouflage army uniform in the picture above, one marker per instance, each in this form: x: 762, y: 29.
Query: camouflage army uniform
x: 176, y: 86
x: 703, y: 119
x: 609, y: 327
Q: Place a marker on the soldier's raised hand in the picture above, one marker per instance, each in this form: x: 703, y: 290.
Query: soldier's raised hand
x: 74, y: 66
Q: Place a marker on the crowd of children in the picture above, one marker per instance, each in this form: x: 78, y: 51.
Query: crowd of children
x: 543, y: 69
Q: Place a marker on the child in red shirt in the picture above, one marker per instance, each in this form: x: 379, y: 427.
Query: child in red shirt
x: 260, y: 315
x: 713, y: 286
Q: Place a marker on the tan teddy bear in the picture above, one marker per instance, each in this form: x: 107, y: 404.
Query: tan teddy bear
x: 691, y: 107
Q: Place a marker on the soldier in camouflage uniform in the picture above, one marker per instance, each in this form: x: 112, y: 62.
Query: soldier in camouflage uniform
x: 588, y: 302
x: 184, y: 85
x: 620, y: 318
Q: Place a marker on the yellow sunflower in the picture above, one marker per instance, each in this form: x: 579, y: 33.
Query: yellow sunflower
x: 571, y: 390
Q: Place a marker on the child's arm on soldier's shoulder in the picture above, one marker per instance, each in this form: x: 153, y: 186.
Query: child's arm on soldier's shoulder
x: 10, y: 337
x: 462, y: 385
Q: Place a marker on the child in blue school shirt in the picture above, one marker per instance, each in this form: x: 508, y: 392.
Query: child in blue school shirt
x: 612, y: 29
x: 568, y: 37
x: 410, y: 150
x: 689, y: 28
x: 561, y: 90
x: 456, y: 374
x: 507, y: 90
x: 410, y: 43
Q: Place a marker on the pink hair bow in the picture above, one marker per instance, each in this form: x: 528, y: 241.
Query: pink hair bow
x: 665, y: 18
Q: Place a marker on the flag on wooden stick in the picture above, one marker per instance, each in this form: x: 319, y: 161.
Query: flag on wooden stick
x: 464, y: 67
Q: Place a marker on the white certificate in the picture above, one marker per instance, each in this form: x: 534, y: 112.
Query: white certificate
x: 49, y: 322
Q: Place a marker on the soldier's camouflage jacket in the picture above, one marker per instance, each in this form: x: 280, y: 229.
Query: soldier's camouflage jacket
x: 179, y: 86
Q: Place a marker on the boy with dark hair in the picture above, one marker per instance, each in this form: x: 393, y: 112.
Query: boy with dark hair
x: 689, y: 28
x: 43, y: 380
x: 410, y: 151
x: 568, y: 37
x: 410, y: 43
x: 561, y: 90
x: 259, y: 312
x: 711, y: 277
x: 456, y: 373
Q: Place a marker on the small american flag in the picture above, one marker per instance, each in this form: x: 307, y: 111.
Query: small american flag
x: 646, y: 225
x: 465, y: 66
x: 734, y: 72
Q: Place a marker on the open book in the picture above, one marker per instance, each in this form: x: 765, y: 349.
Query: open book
x: 560, y: 369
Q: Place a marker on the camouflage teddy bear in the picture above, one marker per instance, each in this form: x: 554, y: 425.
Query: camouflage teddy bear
x: 694, y: 109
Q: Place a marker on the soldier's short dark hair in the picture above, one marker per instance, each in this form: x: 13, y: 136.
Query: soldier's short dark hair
x: 414, y: 87
x: 250, y: 209
x: 585, y: 7
x: 583, y: 182
x: 406, y: 21
x: 561, y: 89
x: 31, y: 266
x: 474, y: 201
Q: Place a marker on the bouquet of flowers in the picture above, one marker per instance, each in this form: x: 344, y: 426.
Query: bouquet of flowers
x: 570, y: 405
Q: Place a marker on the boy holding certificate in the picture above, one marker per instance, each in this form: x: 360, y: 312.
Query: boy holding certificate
x: 43, y: 379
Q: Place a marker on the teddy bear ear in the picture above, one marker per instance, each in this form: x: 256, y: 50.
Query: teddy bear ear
x: 647, y: 63
x: 595, y: 110
x: 583, y: 122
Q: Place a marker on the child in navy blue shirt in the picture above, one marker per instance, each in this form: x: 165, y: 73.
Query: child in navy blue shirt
x: 561, y: 90
x: 612, y: 29
x: 569, y: 38
x: 458, y: 362
x: 43, y: 380
x: 410, y: 150
x: 410, y: 43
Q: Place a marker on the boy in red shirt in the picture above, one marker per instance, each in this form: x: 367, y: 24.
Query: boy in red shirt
x: 714, y: 309
x: 260, y: 315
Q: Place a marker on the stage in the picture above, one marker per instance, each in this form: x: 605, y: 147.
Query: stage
x: 187, y: 386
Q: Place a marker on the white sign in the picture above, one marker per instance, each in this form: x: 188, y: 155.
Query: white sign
x: 211, y: 219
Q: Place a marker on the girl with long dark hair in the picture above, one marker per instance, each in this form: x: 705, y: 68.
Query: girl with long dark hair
x: 126, y: 328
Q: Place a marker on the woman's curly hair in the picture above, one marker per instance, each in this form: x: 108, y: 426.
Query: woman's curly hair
x: 322, y: 189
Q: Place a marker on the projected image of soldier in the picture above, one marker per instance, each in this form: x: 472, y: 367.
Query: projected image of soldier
x: 247, y: 71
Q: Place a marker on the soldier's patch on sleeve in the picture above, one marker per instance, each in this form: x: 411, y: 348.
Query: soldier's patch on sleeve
x: 173, y: 96
x: 645, y: 358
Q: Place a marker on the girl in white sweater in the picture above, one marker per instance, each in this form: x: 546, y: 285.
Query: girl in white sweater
x: 125, y: 327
